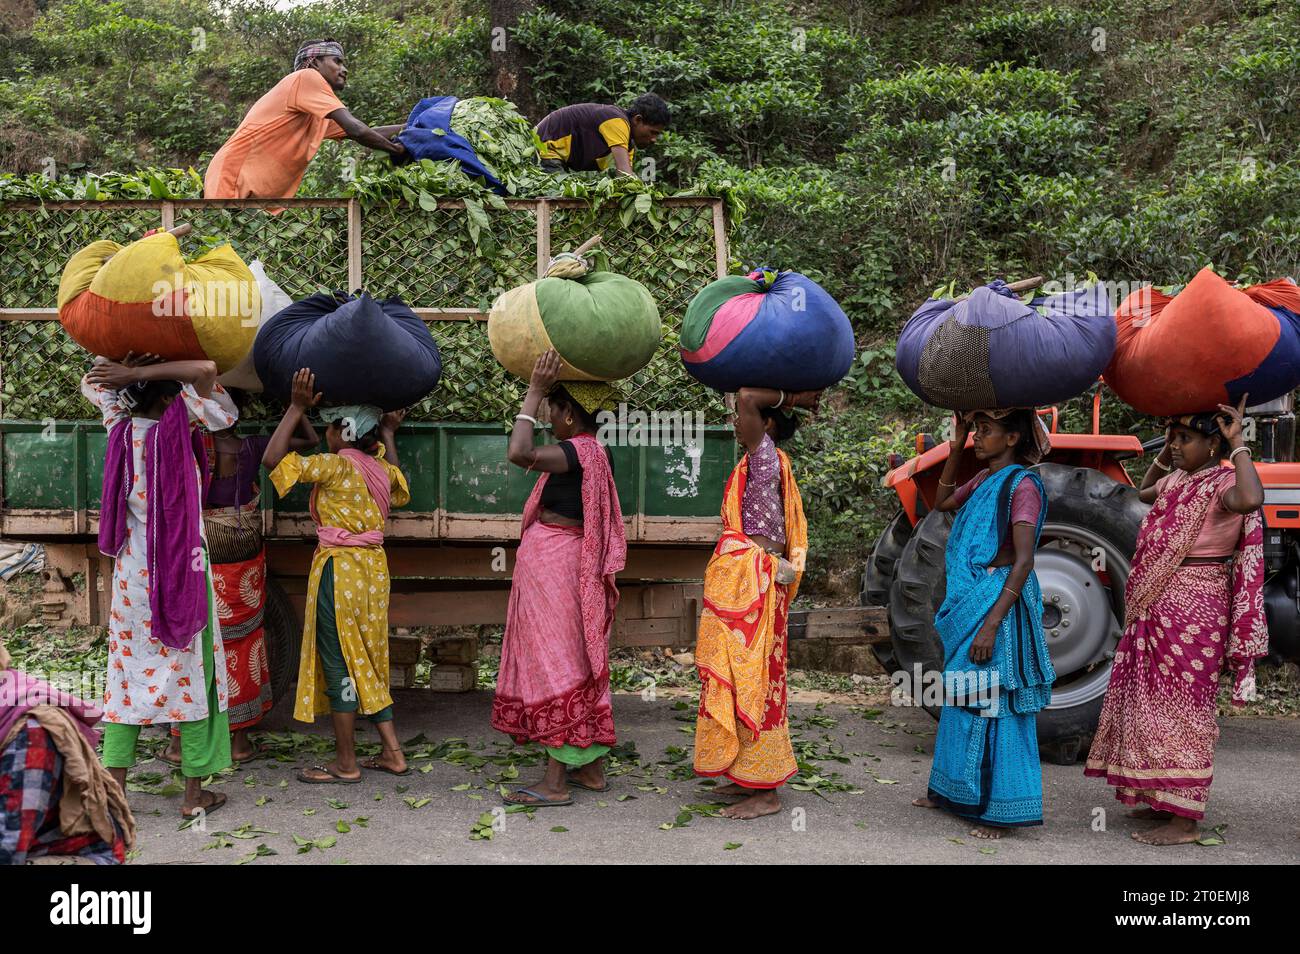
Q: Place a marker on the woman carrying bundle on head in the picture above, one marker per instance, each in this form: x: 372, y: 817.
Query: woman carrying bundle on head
x: 232, y: 524
x: 997, y: 672
x: 742, y: 730
x: 1194, y: 607
x: 344, y: 666
x: 165, y: 658
x: 553, y: 685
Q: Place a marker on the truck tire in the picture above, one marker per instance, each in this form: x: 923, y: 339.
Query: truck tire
x: 283, y: 639
x: 1082, y: 564
x: 878, y: 576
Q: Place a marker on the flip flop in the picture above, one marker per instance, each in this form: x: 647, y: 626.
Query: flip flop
x: 374, y: 765
x: 218, y: 799
x: 162, y: 757
x: 332, y: 780
x: 541, y: 800
x: 589, y: 788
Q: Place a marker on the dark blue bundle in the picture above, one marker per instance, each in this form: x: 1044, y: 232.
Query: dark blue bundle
x: 362, y: 350
x: 428, y: 135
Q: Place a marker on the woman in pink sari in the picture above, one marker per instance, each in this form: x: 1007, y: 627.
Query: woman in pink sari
x: 1194, y: 606
x: 553, y: 685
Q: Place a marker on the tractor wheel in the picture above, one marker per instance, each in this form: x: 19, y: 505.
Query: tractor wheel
x: 1082, y: 565
x: 283, y: 639
x: 879, y: 575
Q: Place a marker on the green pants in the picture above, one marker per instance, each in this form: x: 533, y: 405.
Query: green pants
x: 572, y: 755
x: 339, y: 685
x: 205, y: 745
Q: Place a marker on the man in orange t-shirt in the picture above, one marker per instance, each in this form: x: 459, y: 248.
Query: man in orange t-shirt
x: 267, y: 156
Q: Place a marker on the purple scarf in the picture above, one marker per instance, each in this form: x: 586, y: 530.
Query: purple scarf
x: 20, y: 693
x: 178, y: 592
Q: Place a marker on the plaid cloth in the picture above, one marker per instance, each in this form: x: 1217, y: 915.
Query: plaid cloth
x: 31, y: 784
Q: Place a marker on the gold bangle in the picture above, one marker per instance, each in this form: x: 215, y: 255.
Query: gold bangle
x: 943, y: 483
x: 1165, y: 467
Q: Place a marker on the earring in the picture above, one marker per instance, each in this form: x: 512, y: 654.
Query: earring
x: 569, y: 420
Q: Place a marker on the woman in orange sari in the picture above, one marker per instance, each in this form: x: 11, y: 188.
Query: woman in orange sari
x: 742, y: 731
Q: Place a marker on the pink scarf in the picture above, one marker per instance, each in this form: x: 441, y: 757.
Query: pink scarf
x: 377, y: 482
x: 1167, y: 535
x: 604, y: 548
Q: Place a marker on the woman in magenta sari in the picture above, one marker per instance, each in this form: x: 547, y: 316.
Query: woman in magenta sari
x: 1194, y: 606
x: 553, y: 685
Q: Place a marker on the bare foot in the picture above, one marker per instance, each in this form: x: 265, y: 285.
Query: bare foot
x: 924, y: 803
x: 1150, y: 814
x: 731, y: 788
x: 1177, y: 831
x: 989, y: 832
x: 755, y: 806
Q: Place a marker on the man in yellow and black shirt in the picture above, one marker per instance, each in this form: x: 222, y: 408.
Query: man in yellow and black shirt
x: 590, y: 136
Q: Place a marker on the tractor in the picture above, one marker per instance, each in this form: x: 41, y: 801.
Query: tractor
x: 1088, y: 539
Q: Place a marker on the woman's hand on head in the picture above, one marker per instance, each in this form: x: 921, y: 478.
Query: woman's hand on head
x: 390, y: 422
x: 304, y: 395
x: 545, y: 372
x: 112, y: 375
x: 1231, y: 422
x: 133, y: 360
x: 960, y: 431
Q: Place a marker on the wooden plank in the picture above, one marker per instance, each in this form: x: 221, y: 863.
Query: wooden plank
x: 720, y: 237
x: 29, y: 314
x: 168, y: 215
x: 860, y: 624
x: 543, y: 214
x: 356, y: 275
x: 450, y: 314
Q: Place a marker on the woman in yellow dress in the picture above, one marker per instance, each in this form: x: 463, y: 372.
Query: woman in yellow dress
x: 344, y: 668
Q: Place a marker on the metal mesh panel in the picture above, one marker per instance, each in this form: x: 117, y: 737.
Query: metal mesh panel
x: 676, y: 261
x: 428, y: 259
x: 424, y: 257
x: 42, y: 372
x: 954, y: 367
x: 304, y: 249
x: 35, y: 244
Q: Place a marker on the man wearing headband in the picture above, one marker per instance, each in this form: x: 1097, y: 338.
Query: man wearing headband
x: 267, y: 156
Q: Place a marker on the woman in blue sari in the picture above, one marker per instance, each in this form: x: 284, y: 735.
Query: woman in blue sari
x: 997, y: 673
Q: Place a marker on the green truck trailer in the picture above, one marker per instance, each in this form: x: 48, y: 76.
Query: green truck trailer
x: 451, y: 549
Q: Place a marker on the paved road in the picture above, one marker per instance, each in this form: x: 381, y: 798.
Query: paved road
x: 1254, y: 793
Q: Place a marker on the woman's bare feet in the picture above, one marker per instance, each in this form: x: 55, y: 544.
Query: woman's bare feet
x: 989, y: 832
x: 761, y: 803
x: 1176, y: 831
x: 924, y: 802
x: 730, y: 789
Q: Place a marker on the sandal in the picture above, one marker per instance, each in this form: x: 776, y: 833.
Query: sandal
x: 334, y: 778
x: 259, y: 752
x: 590, y: 788
x: 375, y: 765
x: 218, y: 799
x: 541, y: 801
x: 162, y: 757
